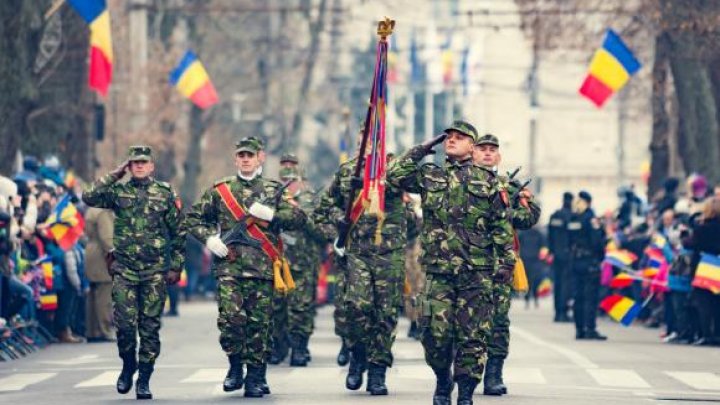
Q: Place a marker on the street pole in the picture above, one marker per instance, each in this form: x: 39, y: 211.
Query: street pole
x: 138, y: 26
x: 533, y: 88
x: 622, y: 118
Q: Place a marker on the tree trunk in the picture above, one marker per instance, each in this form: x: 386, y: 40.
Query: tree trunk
x: 188, y: 190
x: 659, y: 144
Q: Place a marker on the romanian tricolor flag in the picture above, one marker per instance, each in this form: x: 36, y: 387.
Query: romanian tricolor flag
x: 622, y: 280
x: 192, y: 81
x: 660, y: 242
x: 544, y: 288
x: 621, y: 309
x: 620, y: 258
x: 610, y: 69
x: 48, y: 302
x: 66, y: 224
x: 46, y: 265
x: 707, y: 275
x: 97, y: 16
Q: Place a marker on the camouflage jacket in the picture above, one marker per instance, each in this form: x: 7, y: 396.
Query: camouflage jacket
x: 302, y: 246
x: 148, y: 234
x: 463, y: 213
x: 519, y: 218
x: 210, y: 215
x: 332, y: 206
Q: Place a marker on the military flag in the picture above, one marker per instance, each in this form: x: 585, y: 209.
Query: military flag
x: 192, y: 81
x: 96, y: 15
x: 610, y: 69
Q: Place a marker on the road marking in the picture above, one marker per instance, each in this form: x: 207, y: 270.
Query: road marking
x: 524, y: 375
x: 84, y: 359
x: 17, y: 382
x: 697, y: 380
x: 206, y: 375
x: 618, y: 378
x: 573, y: 356
x: 100, y: 380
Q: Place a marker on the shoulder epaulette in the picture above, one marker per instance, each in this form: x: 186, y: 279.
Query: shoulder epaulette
x: 227, y: 179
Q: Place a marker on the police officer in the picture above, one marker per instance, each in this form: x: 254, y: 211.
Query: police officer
x: 559, y: 247
x: 587, y: 243
x: 302, y: 248
x: 463, y: 214
x: 249, y: 213
x: 523, y: 212
x: 148, y: 224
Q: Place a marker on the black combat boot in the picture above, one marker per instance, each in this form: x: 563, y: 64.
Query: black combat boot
x: 263, y: 380
x: 358, y: 365
x: 593, y: 334
x: 142, y: 385
x: 234, y: 378
x: 298, y: 356
x: 280, y: 351
x: 125, y: 380
x: 493, y: 377
x: 253, y: 381
x: 466, y: 388
x: 443, y: 387
x: 376, y: 379
x: 343, y: 357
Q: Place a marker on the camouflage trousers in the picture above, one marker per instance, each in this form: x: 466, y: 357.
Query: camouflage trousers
x: 245, y: 309
x: 278, y: 322
x: 340, y: 314
x: 456, y: 320
x: 414, y: 281
x: 301, y: 302
x: 373, y: 295
x: 499, y: 344
x: 137, y: 307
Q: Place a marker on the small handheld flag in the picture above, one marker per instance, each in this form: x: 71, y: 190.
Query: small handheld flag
x: 622, y: 280
x: 97, y: 16
x: 66, y: 224
x: 707, y: 275
x: 192, y: 81
x: 610, y: 69
x: 621, y: 309
x: 544, y: 288
x: 620, y: 258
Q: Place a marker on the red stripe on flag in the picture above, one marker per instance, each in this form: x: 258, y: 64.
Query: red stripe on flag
x: 608, y: 303
x: 205, y: 96
x: 595, y: 90
x: 101, y: 70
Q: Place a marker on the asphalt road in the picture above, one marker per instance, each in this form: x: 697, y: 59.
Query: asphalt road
x: 546, y: 366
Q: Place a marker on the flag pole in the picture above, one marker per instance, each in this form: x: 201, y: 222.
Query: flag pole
x: 384, y: 29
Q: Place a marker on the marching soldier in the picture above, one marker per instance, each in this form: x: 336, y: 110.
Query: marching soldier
x: 462, y: 209
x: 523, y: 213
x: 239, y: 219
x: 148, y: 224
x: 302, y: 248
x: 374, y: 277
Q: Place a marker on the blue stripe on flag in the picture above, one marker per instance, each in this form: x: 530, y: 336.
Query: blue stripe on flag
x: 617, y: 48
x: 184, y: 64
x: 89, y: 10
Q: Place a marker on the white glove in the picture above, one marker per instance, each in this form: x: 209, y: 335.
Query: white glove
x: 261, y: 211
x: 340, y: 252
x: 217, y: 246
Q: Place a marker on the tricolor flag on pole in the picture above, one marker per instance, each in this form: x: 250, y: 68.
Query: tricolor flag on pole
x: 192, y: 81
x: 707, y: 275
x: 97, y: 16
x: 610, y: 69
x: 621, y: 309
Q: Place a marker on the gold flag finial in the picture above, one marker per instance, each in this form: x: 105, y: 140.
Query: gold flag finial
x: 385, y: 28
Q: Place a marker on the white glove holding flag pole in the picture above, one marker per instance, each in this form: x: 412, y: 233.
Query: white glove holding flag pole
x: 217, y: 246
x: 261, y: 211
x: 340, y: 252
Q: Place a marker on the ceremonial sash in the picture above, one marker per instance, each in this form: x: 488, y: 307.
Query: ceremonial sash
x: 284, y: 282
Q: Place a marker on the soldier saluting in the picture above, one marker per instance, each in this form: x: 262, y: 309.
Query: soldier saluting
x: 149, y: 251
x: 247, y: 270
x: 462, y: 212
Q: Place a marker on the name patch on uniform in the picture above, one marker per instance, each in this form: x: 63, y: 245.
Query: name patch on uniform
x: 556, y: 222
x: 574, y: 226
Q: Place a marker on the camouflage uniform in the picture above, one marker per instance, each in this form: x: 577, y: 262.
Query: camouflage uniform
x: 245, y: 284
x: 462, y: 210
x: 414, y: 274
x: 374, y: 274
x: 149, y: 239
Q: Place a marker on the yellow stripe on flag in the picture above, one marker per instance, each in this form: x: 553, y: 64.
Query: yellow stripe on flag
x: 100, y: 36
x: 194, y: 78
x: 620, y: 309
x: 608, y: 70
x: 710, y: 275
